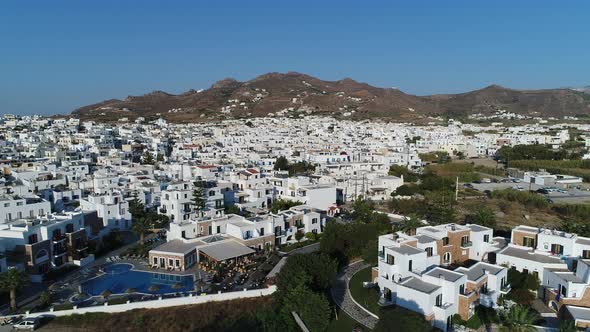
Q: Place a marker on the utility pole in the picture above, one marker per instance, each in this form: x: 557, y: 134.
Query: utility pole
x: 457, y: 189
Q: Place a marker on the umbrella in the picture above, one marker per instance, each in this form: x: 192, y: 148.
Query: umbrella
x: 106, y: 293
x: 178, y: 285
x: 154, y: 288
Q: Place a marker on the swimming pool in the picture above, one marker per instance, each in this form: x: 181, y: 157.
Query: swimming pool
x: 118, y: 278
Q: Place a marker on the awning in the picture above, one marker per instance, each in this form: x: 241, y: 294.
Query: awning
x: 225, y: 250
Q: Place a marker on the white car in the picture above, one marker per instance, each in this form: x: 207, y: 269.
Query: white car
x: 27, y: 324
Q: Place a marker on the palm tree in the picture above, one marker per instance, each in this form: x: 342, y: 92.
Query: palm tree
x: 409, y: 225
x: 484, y: 217
x: 519, y: 319
x: 11, y: 281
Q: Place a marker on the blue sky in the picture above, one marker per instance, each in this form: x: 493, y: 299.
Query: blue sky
x: 57, y: 55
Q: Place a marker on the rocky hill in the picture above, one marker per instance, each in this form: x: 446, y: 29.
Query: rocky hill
x: 292, y: 94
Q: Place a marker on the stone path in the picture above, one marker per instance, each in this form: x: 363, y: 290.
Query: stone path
x: 341, y: 295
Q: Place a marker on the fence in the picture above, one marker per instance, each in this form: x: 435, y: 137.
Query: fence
x: 161, y: 303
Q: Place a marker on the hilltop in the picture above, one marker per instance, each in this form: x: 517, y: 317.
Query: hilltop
x: 294, y: 93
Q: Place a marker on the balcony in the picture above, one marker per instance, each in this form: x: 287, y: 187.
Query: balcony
x: 505, y: 289
x: 58, y: 238
x: 59, y: 251
x: 467, y: 244
x: 281, y: 233
x: 381, y: 254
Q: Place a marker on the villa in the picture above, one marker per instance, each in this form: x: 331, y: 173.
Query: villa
x: 409, y: 272
x: 560, y: 260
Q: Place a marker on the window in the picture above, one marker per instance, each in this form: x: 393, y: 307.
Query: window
x: 465, y: 241
x: 556, y: 249
x: 445, y: 241
x: 410, y: 265
x: 155, y: 260
x: 586, y: 254
x: 177, y: 263
x: 439, y: 300
x: 528, y: 241
x: 462, y: 289
x: 262, y: 232
x: 429, y: 251
x: 314, y: 220
x: 218, y: 229
x: 447, y: 258
x: 390, y: 259
x: 486, y: 238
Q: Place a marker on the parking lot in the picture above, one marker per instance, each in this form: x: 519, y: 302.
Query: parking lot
x: 570, y: 196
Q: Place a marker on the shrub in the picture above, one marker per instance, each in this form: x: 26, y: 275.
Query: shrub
x: 521, y: 296
x: 65, y: 306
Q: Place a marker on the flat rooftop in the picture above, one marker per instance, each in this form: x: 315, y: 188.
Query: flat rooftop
x: 478, y: 270
x: 530, y: 255
x: 437, y: 272
x: 419, y: 285
x: 406, y: 250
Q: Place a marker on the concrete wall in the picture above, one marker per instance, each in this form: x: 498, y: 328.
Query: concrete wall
x: 178, y: 301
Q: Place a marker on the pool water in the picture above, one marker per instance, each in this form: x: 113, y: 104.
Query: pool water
x: 117, y: 278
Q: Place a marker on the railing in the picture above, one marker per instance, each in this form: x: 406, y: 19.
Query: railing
x: 466, y: 244
x: 381, y: 254
x: 506, y: 288
x: 58, y: 238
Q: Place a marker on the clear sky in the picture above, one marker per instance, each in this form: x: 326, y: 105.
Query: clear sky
x: 58, y: 55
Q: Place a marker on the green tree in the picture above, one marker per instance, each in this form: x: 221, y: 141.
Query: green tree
x: 362, y: 210
x: 370, y: 252
x: 399, y: 171
x: 232, y: 209
x: 141, y: 226
x: 567, y: 325
x: 484, y: 217
x: 136, y: 208
x: 11, y: 281
x: 316, y: 271
x: 46, y: 298
x: 160, y: 157
x: 281, y: 164
x: 282, y: 205
x: 147, y: 158
x: 405, y: 190
x: 299, y: 236
x: 519, y: 319
x: 313, y: 308
x: 199, y: 200
x: 398, y: 319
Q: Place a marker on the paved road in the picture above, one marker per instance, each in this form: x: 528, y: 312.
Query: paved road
x: 341, y: 295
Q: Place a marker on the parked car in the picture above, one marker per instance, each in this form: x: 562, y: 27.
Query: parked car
x: 468, y: 185
x: 27, y: 324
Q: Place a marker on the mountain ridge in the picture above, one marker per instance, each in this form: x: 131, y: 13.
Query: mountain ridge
x: 295, y: 94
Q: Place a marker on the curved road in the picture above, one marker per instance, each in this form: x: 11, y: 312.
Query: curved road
x: 341, y: 295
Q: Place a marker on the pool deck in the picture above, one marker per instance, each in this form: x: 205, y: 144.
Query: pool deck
x: 142, y: 265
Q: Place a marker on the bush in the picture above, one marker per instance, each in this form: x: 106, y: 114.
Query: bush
x: 65, y: 306
x: 521, y: 296
x: 529, y: 199
x: 117, y: 300
x: 405, y: 190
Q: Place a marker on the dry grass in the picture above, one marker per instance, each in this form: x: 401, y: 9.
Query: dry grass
x: 214, y: 316
x: 510, y: 214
